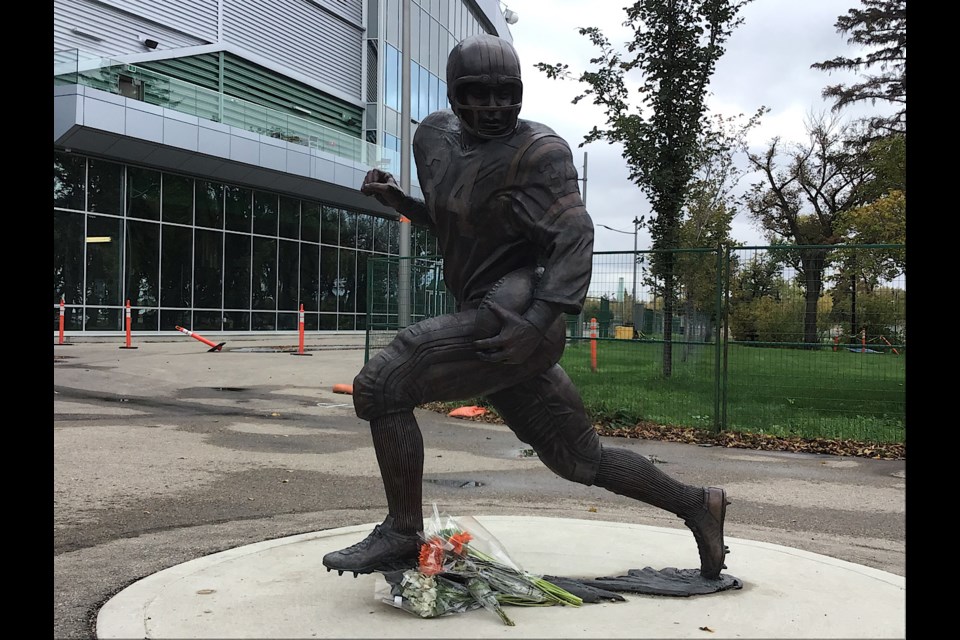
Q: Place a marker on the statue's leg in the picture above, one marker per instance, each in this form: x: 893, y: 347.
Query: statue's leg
x: 548, y: 414
x: 432, y: 360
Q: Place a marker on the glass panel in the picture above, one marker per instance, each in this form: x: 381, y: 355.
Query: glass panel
x: 424, y: 41
x: 328, y: 276
x: 236, y: 272
x: 328, y: 322
x: 236, y: 321
x: 345, y: 284
x: 391, y: 96
x: 207, y: 269
x: 309, y: 276
x: 346, y: 322
x: 170, y: 319
x: 176, y: 267
x: 106, y: 187
x: 264, y: 321
x: 435, y: 47
x: 330, y: 226
x: 288, y: 273
x: 207, y: 320
x: 177, y: 199
x: 361, y: 290
x: 310, y: 222
x: 68, y: 241
x: 103, y: 319
x: 435, y: 96
x: 143, y: 193
x: 288, y: 322
x: 143, y: 264
x: 265, y: 213
x: 348, y: 229
x: 394, y: 244
x: 239, y: 205
x: 365, y: 231
x: 381, y: 234
x: 264, y: 274
x: 289, y: 217
x: 144, y: 319
x: 414, y: 82
x: 209, y: 204
x: 103, y: 260
x: 424, y: 90
x: 393, y: 20
x: 69, y: 178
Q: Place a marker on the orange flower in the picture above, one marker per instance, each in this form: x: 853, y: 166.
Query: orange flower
x: 431, y: 557
x: 458, y: 540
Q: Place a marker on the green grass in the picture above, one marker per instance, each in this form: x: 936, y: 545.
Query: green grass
x: 775, y: 391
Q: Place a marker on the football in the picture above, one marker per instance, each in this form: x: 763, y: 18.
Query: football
x: 514, y: 292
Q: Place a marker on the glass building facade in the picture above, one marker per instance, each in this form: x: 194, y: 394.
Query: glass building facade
x: 191, y: 252
x: 166, y: 160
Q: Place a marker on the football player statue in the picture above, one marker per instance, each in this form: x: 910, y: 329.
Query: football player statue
x: 502, y: 198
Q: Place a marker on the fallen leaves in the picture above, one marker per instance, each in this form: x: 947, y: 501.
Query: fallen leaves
x: 729, y: 439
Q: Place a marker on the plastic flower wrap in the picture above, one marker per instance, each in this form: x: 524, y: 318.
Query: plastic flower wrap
x: 462, y: 567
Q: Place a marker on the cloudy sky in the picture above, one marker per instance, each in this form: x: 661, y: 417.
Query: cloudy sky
x: 767, y: 63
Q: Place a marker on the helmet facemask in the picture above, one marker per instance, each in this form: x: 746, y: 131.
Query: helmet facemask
x: 484, y: 87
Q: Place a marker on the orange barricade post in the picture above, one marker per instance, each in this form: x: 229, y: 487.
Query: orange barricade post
x: 836, y: 341
x: 300, y: 348
x: 593, y: 344
x: 884, y: 338
x: 62, y: 312
x: 196, y: 336
x: 128, y: 321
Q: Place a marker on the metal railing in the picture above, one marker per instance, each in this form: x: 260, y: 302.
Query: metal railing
x: 119, y: 78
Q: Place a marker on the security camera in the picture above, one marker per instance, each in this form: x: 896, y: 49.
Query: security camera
x: 510, y: 16
x: 149, y: 43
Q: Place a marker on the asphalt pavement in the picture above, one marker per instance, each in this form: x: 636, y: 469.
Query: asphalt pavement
x: 173, y: 463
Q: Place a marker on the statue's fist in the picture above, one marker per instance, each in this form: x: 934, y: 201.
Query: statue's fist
x: 383, y: 187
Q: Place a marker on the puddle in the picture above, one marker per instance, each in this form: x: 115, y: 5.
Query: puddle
x: 456, y: 484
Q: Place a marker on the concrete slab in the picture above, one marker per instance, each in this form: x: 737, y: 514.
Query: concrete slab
x: 280, y: 589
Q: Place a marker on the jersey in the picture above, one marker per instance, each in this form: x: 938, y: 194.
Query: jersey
x: 504, y: 204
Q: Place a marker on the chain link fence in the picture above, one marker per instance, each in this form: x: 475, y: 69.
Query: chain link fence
x: 787, y: 340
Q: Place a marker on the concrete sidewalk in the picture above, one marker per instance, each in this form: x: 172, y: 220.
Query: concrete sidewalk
x: 280, y: 589
x: 195, y: 494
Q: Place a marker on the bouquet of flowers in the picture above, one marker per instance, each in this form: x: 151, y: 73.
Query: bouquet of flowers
x: 463, y: 567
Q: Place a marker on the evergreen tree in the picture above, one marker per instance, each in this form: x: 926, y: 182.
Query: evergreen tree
x: 881, y: 27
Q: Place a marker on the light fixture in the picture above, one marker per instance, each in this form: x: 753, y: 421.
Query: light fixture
x: 149, y: 43
x: 84, y: 34
x: 98, y: 239
x: 297, y: 107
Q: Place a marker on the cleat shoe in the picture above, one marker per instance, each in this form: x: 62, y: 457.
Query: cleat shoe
x: 384, y: 547
x: 707, y: 528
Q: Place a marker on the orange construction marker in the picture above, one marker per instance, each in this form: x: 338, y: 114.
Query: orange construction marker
x: 300, y: 347
x: 196, y: 336
x: 343, y: 388
x: 593, y: 344
x: 127, y: 346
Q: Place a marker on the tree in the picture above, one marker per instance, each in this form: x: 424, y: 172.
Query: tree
x: 708, y: 214
x: 882, y: 26
x: 803, y: 200
x: 676, y: 45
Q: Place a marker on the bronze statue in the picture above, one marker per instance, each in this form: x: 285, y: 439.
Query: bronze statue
x: 502, y: 197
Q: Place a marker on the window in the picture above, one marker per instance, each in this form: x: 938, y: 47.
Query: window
x: 130, y: 87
